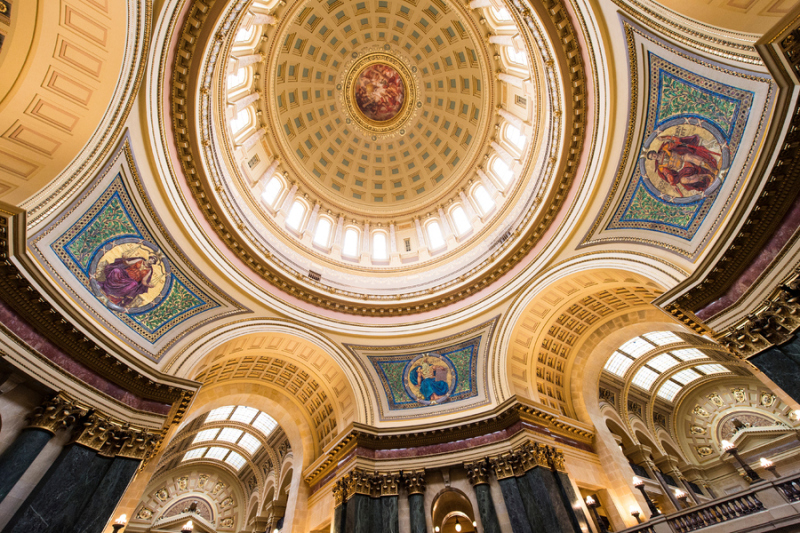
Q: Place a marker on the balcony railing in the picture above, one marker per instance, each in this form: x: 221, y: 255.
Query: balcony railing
x: 774, y: 502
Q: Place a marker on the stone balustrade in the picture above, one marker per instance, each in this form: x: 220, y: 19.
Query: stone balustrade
x: 775, y: 503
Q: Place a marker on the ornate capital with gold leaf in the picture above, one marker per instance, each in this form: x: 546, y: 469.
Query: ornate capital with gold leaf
x: 58, y: 412
x: 389, y: 483
x: 531, y: 455
x: 556, y: 457
x: 339, y: 492
x: 503, y: 465
x: 415, y: 482
x: 112, y: 438
x: 357, y: 481
x: 477, y: 472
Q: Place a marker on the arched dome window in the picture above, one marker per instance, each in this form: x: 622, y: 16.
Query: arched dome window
x: 501, y: 169
x: 322, y: 233
x: 515, y: 137
x: 483, y: 199
x: 435, y: 237
x: 240, y: 121
x: 350, y: 247
x: 515, y: 56
x: 237, y: 79
x: 501, y: 14
x: 272, y: 191
x: 245, y: 34
x: 379, y: 246
x: 460, y: 220
x: 296, y: 215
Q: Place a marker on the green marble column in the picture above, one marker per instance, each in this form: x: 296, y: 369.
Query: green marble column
x: 54, y: 504
x: 572, y: 501
x: 546, y: 498
x: 358, y: 514
x: 16, y: 459
x: 782, y: 365
x: 339, y: 507
x: 390, y: 522
x: 486, y: 509
x: 514, y: 506
x: 103, y: 500
x: 416, y: 504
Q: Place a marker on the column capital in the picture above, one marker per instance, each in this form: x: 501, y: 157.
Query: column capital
x: 477, y: 472
x: 357, y: 481
x: 503, y: 465
x: 533, y: 454
x: 112, y: 438
x: 415, y: 481
x: 389, y: 483
x: 57, y: 412
x: 339, y: 492
x: 557, y: 462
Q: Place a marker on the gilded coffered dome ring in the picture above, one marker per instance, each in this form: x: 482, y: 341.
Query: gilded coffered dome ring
x: 290, y: 177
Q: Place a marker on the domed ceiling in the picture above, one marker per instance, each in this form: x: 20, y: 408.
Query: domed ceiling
x: 391, y: 156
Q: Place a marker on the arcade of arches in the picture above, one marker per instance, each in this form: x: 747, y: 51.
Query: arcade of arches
x: 399, y: 265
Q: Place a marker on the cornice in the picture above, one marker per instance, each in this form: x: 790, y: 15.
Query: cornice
x: 19, y: 293
x: 512, y: 416
x: 285, y: 278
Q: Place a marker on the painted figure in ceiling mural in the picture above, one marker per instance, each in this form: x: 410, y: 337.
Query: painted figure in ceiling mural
x: 685, y: 163
x: 379, y: 92
x: 430, y: 379
x: 685, y: 159
x: 130, y: 276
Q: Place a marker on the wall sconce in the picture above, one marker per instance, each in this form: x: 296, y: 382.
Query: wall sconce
x: 635, y: 513
x: 119, y: 523
x: 766, y: 464
x: 187, y: 527
x: 730, y: 448
x: 639, y: 484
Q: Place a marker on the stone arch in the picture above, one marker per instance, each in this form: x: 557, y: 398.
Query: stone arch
x: 314, y: 353
x: 555, y: 322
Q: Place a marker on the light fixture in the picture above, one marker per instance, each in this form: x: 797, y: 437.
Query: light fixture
x: 436, y: 529
x: 639, y: 484
x: 795, y: 415
x: 635, y: 513
x: 119, y: 523
x: 680, y: 494
x: 187, y: 527
x: 474, y: 523
x: 682, y: 497
x: 766, y: 464
x: 728, y: 446
x: 458, y: 526
x: 637, y: 481
x: 589, y: 501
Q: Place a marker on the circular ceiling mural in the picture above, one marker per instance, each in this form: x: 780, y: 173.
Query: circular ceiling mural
x: 379, y: 92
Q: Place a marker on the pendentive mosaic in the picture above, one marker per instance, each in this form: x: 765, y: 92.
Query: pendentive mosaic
x: 430, y: 377
x: 110, y: 250
x: 693, y: 130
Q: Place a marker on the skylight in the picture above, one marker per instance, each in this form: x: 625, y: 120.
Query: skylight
x: 235, y: 460
x: 246, y: 415
x: 249, y: 443
x: 618, y: 364
x: 636, y: 347
x: 194, y: 454
x: 264, y: 423
x: 206, y: 434
x: 221, y: 413
x: 216, y: 452
x: 669, y: 390
x: 644, y: 378
x: 662, y: 362
x: 712, y: 369
x: 662, y: 338
x: 689, y: 354
x: 686, y: 376
x: 230, y: 434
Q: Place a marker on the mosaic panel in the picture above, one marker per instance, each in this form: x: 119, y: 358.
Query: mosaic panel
x: 693, y: 130
x: 111, y: 252
x: 429, y: 378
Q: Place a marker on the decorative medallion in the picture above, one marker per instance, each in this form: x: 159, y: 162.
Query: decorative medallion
x: 430, y: 379
x: 738, y: 394
x: 379, y: 92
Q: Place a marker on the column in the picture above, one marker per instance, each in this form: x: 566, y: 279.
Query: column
x: 243, y: 61
x: 511, y: 118
x: 269, y: 172
x: 539, y: 491
x: 241, y: 103
x: 504, y: 154
x: 358, y: 508
x: 467, y: 204
x: 502, y: 40
x: 287, y: 202
x: 264, y: 19
x: 54, y: 414
x: 129, y: 447
x: 572, y: 500
x: 415, y: 483
x: 337, y: 237
x: 392, y: 240
x: 420, y: 236
x: 389, y: 519
x: 253, y: 138
x: 312, y: 220
x: 478, y: 474
x: 365, y: 242
x: 781, y: 364
x: 517, y: 514
x: 488, y: 184
x: 339, y: 491
x: 448, y: 232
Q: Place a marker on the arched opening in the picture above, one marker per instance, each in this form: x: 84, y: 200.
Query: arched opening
x: 452, y: 512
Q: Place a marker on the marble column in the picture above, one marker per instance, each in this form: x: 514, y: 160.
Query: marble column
x: 515, y: 507
x: 358, y: 508
x: 339, y: 512
x: 545, y: 507
x: 415, y: 483
x: 55, y: 413
x: 781, y: 364
x: 388, y: 519
x: 65, y: 486
x: 478, y: 474
x: 103, y: 500
x: 572, y: 500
